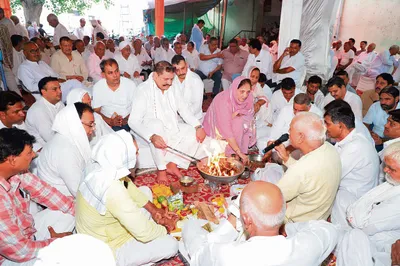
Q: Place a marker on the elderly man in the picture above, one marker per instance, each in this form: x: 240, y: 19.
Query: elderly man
x: 362, y: 62
x: 44, y: 56
x: 310, y: 184
x: 383, y: 62
x: 346, y: 57
x: 359, y: 173
x: 373, y: 219
x: 67, y: 63
x: 73, y: 127
x: 94, y: 60
x: 117, y: 212
x: 190, y: 85
x: 19, y: 28
x: 261, y: 212
x: 337, y: 90
x: 197, y: 34
x: 336, y: 48
x: 154, y: 121
x: 113, y: 96
x: 234, y: 61
x: 40, y: 116
x: 143, y: 58
x: 343, y: 75
x: 81, y: 31
x: 313, y: 90
x: 23, y: 235
x: 163, y: 53
x: 59, y: 30
x: 378, y: 113
x: 191, y: 56
x: 32, y: 70
x: 290, y: 64
x: 370, y: 96
x: 7, y: 22
x: 157, y: 44
x: 258, y: 57
x: 128, y: 63
x: 211, y: 59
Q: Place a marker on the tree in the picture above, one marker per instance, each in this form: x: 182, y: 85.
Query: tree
x: 33, y: 8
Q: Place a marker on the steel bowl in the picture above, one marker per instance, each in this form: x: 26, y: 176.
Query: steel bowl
x: 257, y: 159
x: 186, y: 181
x: 220, y: 179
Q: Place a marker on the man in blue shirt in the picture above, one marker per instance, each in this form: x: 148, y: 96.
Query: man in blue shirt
x: 197, y: 34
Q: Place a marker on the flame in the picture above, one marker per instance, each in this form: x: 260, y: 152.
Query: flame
x: 217, y: 162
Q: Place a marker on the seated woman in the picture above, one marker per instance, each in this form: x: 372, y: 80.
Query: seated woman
x: 231, y: 117
x: 102, y: 128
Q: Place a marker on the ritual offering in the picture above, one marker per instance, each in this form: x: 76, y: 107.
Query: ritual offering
x: 175, y: 202
x: 206, y: 212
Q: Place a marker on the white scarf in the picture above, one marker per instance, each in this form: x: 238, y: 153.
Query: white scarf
x: 112, y: 157
x: 76, y: 96
x: 359, y: 213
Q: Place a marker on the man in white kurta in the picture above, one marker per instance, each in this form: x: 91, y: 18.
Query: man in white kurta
x: 313, y: 90
x: 359, y: 173
x: 190, y: 85
x: 40, y: 116
x: 163, y: 53
x: 383, y: 62
x: 154, y: 121
x: 145, y: 61
x: 59, y: 30
x: 94, y: 60
x: 362, y: 62
x: 259, y: 58
x: 98, y: 28
x: 346, y: 57
x: 63, y: 159
x: 18, y: 55
x: 191, y: 56
x: 337, y: 90
x: 261, y: 210
x: 81, y: 31
x: 373, y: 220
x: 19, y: 28
x: 128, y: 63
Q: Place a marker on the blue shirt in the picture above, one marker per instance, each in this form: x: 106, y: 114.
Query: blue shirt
x: 197, y: 37
x: 377, y: 117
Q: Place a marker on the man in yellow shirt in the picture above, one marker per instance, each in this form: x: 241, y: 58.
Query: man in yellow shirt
x: 310, y: 184
x: 111, y: 208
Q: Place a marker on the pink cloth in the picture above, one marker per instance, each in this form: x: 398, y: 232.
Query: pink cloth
x: 218, y: 122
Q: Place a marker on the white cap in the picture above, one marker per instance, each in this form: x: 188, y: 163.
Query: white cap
x: 124, y: 44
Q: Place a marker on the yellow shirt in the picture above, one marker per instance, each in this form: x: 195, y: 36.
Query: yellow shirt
x: 310, y: 184
x: 123, y: 220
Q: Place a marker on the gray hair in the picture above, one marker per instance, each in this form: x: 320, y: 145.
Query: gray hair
x: 311, y: 125
x: 302, y: 98
x: 393, y: 151
x: 261, y: 219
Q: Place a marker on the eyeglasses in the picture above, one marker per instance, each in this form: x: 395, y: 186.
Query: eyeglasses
x: 91, y: 125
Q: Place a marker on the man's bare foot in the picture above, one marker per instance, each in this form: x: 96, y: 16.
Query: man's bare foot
x: 173, y: 170
x: 162, y: 177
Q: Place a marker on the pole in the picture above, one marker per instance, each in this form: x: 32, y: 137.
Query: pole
x: 159, y: 17
x: 223, y: 22
x: 184, y: 17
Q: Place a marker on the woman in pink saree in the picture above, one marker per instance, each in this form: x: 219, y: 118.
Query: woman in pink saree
x: 231, y: 117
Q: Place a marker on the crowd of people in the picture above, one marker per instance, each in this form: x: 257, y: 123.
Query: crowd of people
x: 103, y: 109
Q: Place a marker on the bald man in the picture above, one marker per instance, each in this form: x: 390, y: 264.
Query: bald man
x: 262, y: 211
x: 309, y: 185
x: 93, y: 63
x: 59, y: 30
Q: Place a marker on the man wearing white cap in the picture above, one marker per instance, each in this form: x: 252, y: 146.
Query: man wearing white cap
x: 128, y: 63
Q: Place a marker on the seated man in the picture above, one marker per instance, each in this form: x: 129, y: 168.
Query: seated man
x: 259, y: 58
x: 154, y: 120
x: 33, y: 69
x: 309, y: 185
x: 67, y: 63
x: 359, y: 173
x: 191, y: 56
x: 262, y: 211
x: 190, y: 85
x: 378, y: 113
x: 362, y: 62
x: 113, y: 96
x: 143, y: 58
x: 234, y: 61
x: 93, y: 63
x: 128, y: 63
x: 343, y: 75
x: 383, y: 62
x: 112, y: 209
x: 211, y: 59
x: 40, y: 116
x: 346, y: 57
x: 337, y: 90
x: 373, y: 219
x: 177, y: 48
x: 313, y: 90
x: 370, y: 96
x: 110, y: 49
x: 45, y: 57
x: 24, y: 235
x: 63, y: 159
x: 290, y: 64
x: 83, y: 51
x: 164, y: 52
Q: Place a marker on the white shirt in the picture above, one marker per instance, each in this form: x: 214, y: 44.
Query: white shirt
x: 85, y: 55
x: 118, y: 101
x: 363, y: 130
x: 345, y: 57
x: 298, y: 63
x: 143, y: 57
x: 30, y: 73
x: 192, y: 58
x: 352, y: 99
x: 377, y: 117
x: 130, y: 65
x: 263, y: 61
x: 206, y: 66
x: 81, y: 32
x: 277, y: 103
x: 60, y: 31
x: 9, y: 24
x: 162, y: 55
x: 39, y: 119
x: 61, y: 64
x: 382, y: 63
x: 18, y: 58
x: 319, y: 97
x: 21, y: 30
x: 337, y: 52
x: 93, y: 66
x: 366, y: 58
x: 97, y: 29
x: 192, y: 90
x: 219, y: 248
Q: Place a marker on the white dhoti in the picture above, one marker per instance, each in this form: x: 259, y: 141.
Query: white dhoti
x: 343, y: 200
x: 354, y: 249
x: 355, y: 71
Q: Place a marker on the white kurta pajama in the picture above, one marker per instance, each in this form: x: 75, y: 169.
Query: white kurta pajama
x: 129, y: 66
x: 360, y: 64
x: 359, y: 173
x: 307, y: 244
x: 163, y: 55
x: 157, y: 113
x: 351, y: 98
